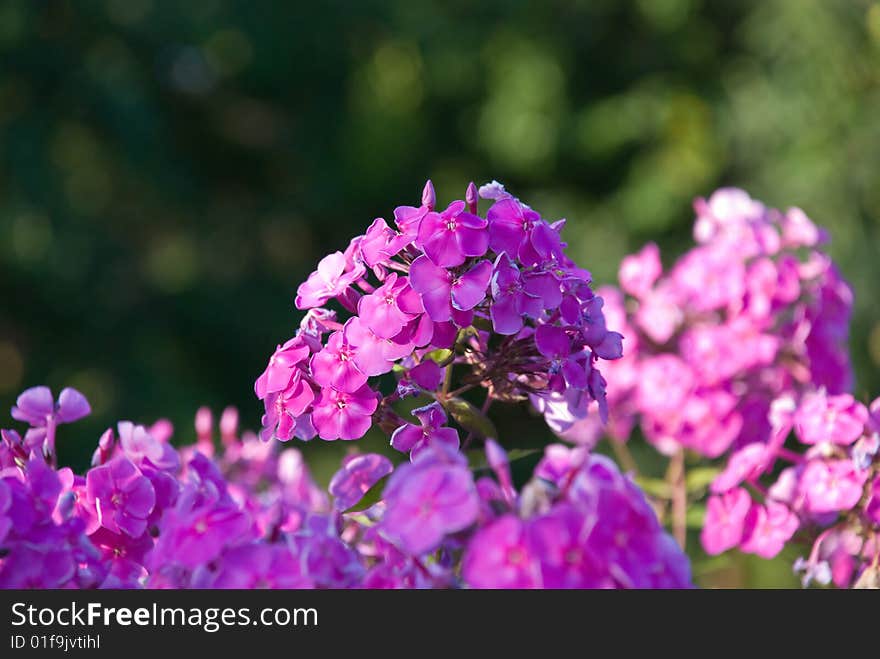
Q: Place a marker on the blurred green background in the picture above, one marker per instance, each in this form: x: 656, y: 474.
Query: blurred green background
x: 169, y: 172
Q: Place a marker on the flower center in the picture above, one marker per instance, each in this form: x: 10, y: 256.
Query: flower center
x: 515, y: 556
x: 573, y: 556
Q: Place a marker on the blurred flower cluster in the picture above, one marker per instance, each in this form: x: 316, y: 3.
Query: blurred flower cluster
x: 249, y: 515
x: 742, y: 340
x: 754, y: 311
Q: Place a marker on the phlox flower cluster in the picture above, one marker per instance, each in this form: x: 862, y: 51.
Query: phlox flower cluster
x: 494, y: 299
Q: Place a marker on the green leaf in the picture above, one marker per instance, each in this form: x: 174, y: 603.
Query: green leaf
x: 442, y: 356
x: 361, y: 519
x: 477, y: 457
x: 656, y: 487
x: 699, y: 478
x: 519, y: 453
x: 469, y: 417
x: 482, y: 323
x: 371, y: 496
x: 696, y: 513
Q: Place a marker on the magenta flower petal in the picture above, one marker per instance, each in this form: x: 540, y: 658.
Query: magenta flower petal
x: 832, y: 485
x: 371, y: 356
x: 428, y: 375
x: 380, y: 311
x: 439, y: 235
x: 335, y: 366
x: 499, y: 556
x: 428, y: 499
x: 836, y: 419
x: 543, y: 286
x: 506, y: 316
x: 34, y: 406
x: 768, y: 528
x: 725, y: 520
x: 746, y: 463
x: 72, y: 405
x: 325, y: 283
x: 356, y: 477
x: 344, y: 415
x: 441, y: 244
x: 120, y: 496
x: 470, y: 289
x: 610, y: 347
x: 281, y: 366
x: 638, y: 272
x: 434, y: 284
x: 506, y: 227
x: 553, y: 342
x: 405, y: 437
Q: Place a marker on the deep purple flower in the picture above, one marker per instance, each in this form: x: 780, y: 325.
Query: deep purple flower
x: 358, y: 474
x: 328, y: 561
x: 520, y: 232
x: 565, y: 369
x: 121, y: 496
x: 195, y: 533
x: 428, y: 375
x: 567, y: 560
x: 5, y: 503
x: 36, y: 406
x: 511, y: 300
x: 413, y: 439
x: 259, y: 566
x: 428, y: 499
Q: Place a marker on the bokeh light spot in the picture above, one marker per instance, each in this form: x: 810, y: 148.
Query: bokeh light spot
x: 11, y: 367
